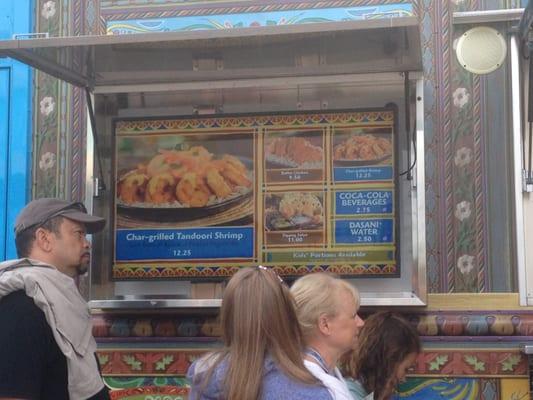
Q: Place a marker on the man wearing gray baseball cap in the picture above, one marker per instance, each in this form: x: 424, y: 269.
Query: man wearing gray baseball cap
x: 46, y: 341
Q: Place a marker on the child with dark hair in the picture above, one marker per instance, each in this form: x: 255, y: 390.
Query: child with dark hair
x: 388, y: 347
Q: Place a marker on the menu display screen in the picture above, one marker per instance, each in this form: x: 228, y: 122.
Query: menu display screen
x: 198, y: 198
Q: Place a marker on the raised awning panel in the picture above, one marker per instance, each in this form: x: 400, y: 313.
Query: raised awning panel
x: 367, y: 46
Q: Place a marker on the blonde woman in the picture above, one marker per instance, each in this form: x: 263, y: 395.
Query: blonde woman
x: 327, y: 308
x: 262, y: 345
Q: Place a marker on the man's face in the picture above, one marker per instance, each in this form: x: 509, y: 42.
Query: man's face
x: 70, y: 248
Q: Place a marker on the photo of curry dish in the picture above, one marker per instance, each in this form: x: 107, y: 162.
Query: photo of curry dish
x: 184, y: 178
x: 293, y: 210
x: 364, y: 147
x: 294, y: 152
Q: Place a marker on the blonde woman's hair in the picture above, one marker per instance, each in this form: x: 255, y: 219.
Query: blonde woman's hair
x: 258, y: 319
x: 317, y: 294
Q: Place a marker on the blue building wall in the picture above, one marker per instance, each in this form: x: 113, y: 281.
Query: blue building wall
x: 15, y: 124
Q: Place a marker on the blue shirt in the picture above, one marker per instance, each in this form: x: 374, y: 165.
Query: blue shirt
x: 276, y: 384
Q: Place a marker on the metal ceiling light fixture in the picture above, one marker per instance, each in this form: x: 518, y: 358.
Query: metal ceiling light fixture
x: 481, y: 50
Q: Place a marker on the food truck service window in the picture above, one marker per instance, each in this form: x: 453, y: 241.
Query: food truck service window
x: 300, y: 147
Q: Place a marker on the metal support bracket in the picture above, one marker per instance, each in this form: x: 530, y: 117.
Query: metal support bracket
x: 99, y: 182
x: 527, y: 182
x: 32, y: 35
x: 207, y: 64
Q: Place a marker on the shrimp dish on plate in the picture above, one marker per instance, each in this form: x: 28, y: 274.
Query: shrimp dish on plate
x: 184, y: 178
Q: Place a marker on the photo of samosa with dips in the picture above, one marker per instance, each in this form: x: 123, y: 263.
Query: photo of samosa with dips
x: 294, y: 210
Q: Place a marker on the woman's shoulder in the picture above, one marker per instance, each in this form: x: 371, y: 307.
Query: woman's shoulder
x: 335, y: 383
x: 277, y: 385
x: 357, y: 390
x: 201, y: 365
x: 198, y: 373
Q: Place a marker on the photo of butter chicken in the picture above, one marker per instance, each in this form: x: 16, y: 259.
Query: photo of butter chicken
x: 295, y: 151
x: 184, y: 179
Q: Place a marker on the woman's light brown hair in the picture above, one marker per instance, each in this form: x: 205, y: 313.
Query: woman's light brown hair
x: 385, y: 341
x: 258, y: 319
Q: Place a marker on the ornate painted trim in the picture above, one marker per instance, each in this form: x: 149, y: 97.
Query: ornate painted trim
x: 147, y: 362
x: 480, y: 302
x: 47, y: 110
x: 59, y: 117
x: 443, y: 12
x: 278, y: 14
x: 449, y: 363
x: 128, y: 382
x: 164, y: 125
x: 134, y: 11
x: 147, y: 271
x: 471, y: 363
x: 151, y: 392
x: 415, y: 387
x: 466, y: 265
x: 490, y: 326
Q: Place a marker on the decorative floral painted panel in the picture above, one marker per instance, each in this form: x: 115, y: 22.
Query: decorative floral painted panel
x: 229, y: 18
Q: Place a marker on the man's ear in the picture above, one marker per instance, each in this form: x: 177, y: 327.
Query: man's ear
x: 323, y: 324
x: 43, y: 239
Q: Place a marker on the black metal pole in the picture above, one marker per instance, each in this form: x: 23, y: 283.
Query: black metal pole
x: 407, y: 94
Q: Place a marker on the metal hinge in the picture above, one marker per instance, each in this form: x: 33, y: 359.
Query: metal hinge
x: 208, y: 64
x: 96, y: 187
x: 312, y: 105
x: 527, y: 182
x: 34, y: 35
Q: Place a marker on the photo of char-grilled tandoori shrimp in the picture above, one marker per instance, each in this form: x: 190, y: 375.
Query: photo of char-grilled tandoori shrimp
x: 132, y: 187
x: 184, y: 178
x: 192, y: 190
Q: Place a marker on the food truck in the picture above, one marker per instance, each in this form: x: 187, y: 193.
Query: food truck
x: 369, y: 147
